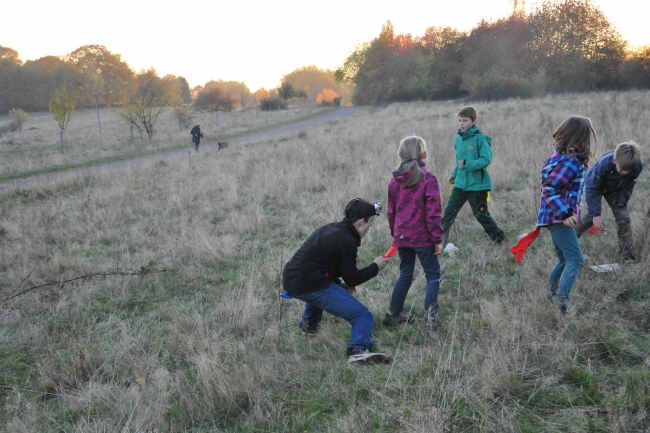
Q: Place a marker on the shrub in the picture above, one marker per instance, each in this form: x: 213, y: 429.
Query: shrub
x: 328, y: 97
x: 272, y: 104
x: 18, y: 117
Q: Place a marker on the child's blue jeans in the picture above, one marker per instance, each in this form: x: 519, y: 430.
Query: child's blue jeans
x: 431, y: 266
x: 338, y: 302
x: 569, y: 262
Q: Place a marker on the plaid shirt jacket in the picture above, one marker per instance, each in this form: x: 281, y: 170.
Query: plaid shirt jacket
x: 562, y: 185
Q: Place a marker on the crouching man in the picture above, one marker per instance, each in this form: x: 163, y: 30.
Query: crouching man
x: 314, y: 275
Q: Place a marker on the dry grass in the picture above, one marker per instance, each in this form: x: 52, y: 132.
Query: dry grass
x: 210, y: 347
x: 38, y: 146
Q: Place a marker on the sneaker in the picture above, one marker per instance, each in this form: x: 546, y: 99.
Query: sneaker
x: 397, y: 319
x: 629, y: 259
x: 365, y: 357
x: 432, y: 322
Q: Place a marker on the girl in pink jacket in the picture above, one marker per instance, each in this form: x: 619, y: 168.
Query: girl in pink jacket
x: 414, y: 216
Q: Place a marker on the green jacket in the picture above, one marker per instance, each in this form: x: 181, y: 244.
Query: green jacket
x: 473, y: 147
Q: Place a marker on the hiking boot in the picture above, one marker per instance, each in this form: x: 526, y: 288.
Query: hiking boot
x: 308, y: 331
x: 358, y: 356
x: 563, y: 309
x: 397, y: 319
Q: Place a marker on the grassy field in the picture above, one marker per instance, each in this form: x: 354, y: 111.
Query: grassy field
x: 209, y: 345
x: 37, y: 148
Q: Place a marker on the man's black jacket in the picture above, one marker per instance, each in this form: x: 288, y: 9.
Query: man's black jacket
x: 328, y: 254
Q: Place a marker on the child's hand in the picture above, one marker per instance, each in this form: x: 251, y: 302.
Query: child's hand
x: 460, y: 163
x: 348, y: 288
x: 381, y: 262
x: 598, y: 223
x: 572, y: 221
x: 451, y: 180
x: 438, y: 250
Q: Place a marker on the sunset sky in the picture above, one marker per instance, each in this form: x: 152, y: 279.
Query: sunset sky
x: 251, y: 41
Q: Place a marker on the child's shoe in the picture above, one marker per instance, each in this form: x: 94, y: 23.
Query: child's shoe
x: 432, y: 322
x: 397, y: 319
x: 629, y: 259
x: 358, y: 356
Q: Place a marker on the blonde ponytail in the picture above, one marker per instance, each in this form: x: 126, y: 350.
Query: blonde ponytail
x: 411, y: 150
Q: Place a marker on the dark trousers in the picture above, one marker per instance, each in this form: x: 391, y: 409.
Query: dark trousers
x: 623, y: 225
x: 478, y: 202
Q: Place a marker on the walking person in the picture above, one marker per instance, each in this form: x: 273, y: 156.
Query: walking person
x: 470, y: 177
x: 414, y: 217
x: 197, y: 135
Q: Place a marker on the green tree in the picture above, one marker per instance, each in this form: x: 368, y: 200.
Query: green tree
x: 62, y: 105
x: 102, y: 72
x: 286, y: 91
x: 8, y: 55
x: 576, y: 44
x: 18, y: 117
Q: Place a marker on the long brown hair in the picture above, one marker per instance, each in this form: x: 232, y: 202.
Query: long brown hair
x: 573, y: 136
x: 411, y: 150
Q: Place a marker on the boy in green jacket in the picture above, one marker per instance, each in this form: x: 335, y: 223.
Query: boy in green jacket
x: 470, y: 177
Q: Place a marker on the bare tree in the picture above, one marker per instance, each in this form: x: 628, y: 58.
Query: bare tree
x: 146, y: 105
x: 184, y: 116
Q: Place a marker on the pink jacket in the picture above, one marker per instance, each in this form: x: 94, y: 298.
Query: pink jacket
x: 415, y: 213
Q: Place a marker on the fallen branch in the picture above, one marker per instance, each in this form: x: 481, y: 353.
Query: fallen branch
x: 143, y: 271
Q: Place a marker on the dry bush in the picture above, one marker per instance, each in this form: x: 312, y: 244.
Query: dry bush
x: 210, y: 346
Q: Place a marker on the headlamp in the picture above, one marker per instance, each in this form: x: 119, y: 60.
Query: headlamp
x: 359, y: 208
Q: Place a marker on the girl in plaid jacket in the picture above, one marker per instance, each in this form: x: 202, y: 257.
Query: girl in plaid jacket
x: 561, y: 200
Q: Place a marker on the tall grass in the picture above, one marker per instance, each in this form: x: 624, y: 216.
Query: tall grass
x: 210, y: 346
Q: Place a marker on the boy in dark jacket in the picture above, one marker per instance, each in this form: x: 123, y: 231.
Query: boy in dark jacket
x: 314, y: 275
x: 613, y: 177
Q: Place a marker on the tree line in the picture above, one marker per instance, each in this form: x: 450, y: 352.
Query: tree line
x: 560, y: 46
x: 99, y: 75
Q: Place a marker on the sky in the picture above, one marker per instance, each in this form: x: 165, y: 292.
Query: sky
x: 254, y: 41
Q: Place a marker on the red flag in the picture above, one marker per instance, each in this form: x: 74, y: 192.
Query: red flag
x: 391, y: 252
x: 522, y: 246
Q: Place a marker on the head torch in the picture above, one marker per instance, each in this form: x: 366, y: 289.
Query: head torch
x: 360, y: 208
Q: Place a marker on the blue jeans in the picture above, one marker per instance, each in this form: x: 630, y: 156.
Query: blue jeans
x: 431, y: 266
x: 338, y: 302
x: 569, y: 262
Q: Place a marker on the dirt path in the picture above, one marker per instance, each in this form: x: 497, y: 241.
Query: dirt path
x: 111, y: 167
